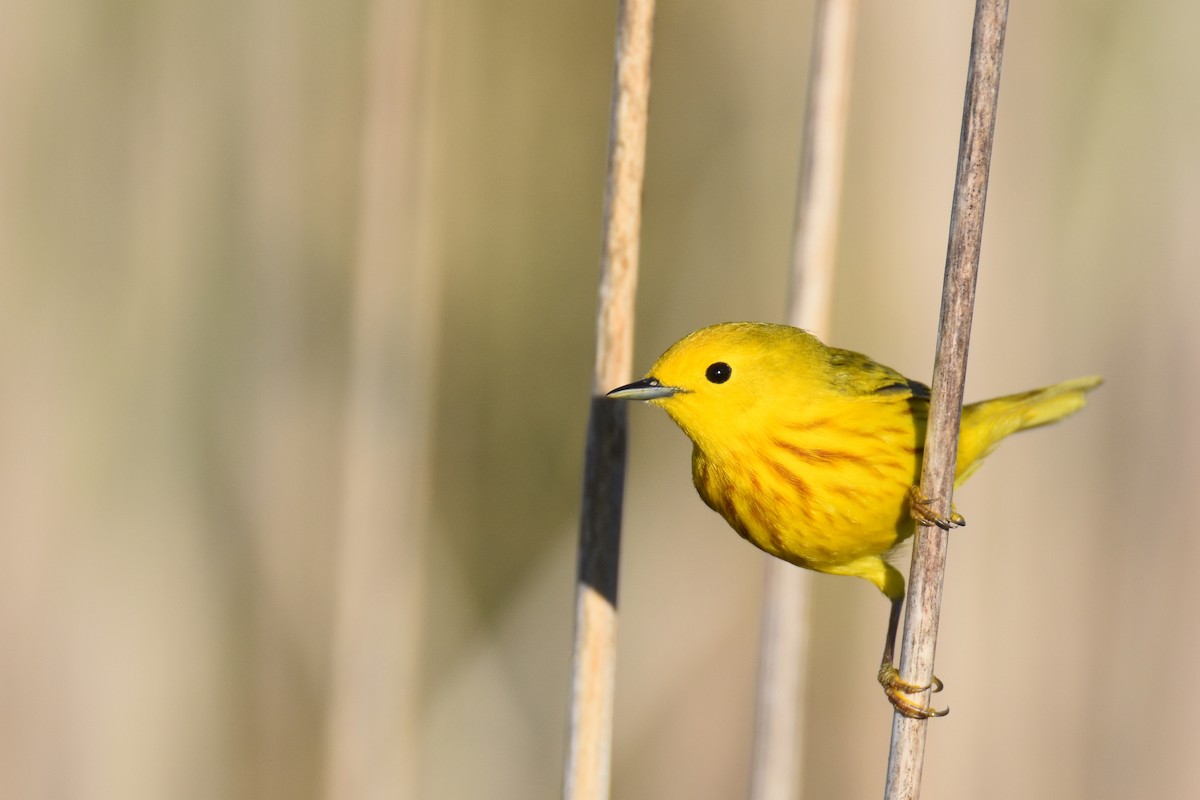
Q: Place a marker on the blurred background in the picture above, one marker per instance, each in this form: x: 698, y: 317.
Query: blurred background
x: 296, y: 320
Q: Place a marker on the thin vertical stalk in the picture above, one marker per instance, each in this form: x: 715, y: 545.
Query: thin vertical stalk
x: 821, y: 160
x: 779, y: 717
x: 588, y: 766
x: 923, y: 604
x: 372, y: 743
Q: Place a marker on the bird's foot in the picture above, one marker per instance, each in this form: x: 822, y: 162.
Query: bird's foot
x: 921, y: 509
x: 900, y: 693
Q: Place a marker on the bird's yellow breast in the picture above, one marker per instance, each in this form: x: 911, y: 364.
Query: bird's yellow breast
x: 820, y: 490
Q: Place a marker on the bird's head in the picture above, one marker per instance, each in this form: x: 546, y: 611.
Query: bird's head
x: 724, y: 379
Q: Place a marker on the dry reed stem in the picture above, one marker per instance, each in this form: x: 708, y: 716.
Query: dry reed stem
x: 923, y: 604
x: 372, y: 743
x: 588, y: 766
x: 778, y: 744
x: 811, y: 290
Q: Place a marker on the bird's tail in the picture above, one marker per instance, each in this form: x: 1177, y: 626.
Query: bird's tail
x: 986, y: 423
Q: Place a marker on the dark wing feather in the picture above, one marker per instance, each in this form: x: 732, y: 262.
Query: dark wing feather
x: 854, y: 373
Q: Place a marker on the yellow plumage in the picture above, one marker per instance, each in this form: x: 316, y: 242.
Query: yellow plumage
x: 810, y: 451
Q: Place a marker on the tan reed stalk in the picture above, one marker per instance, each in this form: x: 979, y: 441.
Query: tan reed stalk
x: 923, y: 604
x: 779, y: 716
x: 589, y: 749
x: 372, y: 743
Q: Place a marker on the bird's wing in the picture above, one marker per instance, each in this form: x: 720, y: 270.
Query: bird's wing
x: 855, y: 374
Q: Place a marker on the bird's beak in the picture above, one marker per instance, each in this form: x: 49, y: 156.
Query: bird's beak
x: 645, y: 389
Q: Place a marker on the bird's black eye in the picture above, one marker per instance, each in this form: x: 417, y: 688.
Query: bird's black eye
x: 718, y: 372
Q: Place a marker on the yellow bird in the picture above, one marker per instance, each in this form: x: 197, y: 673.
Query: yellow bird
x: 813, y: 453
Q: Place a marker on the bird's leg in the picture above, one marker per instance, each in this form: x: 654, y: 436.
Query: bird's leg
x: 899, y: 691
x: 921, y: 509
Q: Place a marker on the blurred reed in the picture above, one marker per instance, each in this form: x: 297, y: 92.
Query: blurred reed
x: 777, y: 768
x: 373, y: 745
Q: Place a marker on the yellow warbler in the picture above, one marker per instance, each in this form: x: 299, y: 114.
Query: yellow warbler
x: 813, y: 453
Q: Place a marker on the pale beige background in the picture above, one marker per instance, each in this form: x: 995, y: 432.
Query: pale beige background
x: 181, y: 203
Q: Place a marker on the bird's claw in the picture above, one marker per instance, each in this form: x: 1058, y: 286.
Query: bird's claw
x: 900, y: 694
x: 921, y: 509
